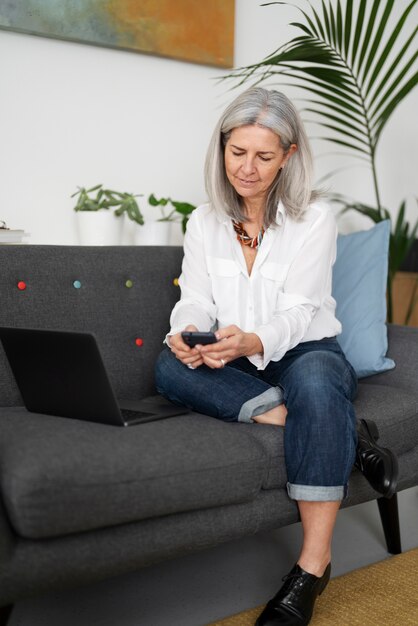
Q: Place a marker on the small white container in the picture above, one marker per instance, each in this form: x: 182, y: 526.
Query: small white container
x: 153, y: 234
x: 99, y: 228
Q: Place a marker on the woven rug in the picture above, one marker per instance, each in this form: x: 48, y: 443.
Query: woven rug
x: 383, y: 594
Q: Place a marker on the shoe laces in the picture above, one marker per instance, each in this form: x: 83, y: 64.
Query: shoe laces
x: 295, y: 588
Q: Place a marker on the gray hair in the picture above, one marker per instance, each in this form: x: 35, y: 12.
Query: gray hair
x: 293, y: 185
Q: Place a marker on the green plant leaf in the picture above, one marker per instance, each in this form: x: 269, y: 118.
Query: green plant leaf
x: 346, y: 133
x: 371, y: 212
x: 389, y: 45
x: 184, y: 224
x: 390, y: 75
x: 343, y: 117
x: 94, y: 188
x: 326, y: 22
x: 347, y: 26
x: 397, y: 80
x: 345, y: 91
x: 358, y: 30
x: 91, y: 205
x: 378, y: 37
x: 182, y: 208
x: 185, y: 208
x: 317, y: 29
x: 333, y: 26
x: 307, y: 49
x: 360, y: 131
x: 76, y: 193
x: 400, y: 218
x: 350, y: 204
x: 320, y: 32
x: 346, y: 144
x: 161, y: 202
x: 367, y: 35
x: 342, y: 103
x: 129, y: 206
x: 343, y: 112
x: 331, y: 77
x: 339, y: 24
x: 397, y: 99
x: 107, y: 199
x: 304, y: 28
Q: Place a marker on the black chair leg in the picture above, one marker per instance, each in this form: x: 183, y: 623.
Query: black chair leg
x: 5, y: 612
x: 389, y: 514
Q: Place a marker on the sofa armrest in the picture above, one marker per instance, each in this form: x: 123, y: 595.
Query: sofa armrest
x: 403, y: 349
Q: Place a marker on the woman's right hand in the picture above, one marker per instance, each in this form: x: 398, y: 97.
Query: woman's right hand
x: 189, y: 356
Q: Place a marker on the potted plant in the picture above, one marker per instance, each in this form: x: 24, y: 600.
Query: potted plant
x: 157, y: 231
x: 355, y: 72
x: 98, y: 211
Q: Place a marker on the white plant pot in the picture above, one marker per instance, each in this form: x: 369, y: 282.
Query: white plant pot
x: 99, y: 228
x: 153, y: 234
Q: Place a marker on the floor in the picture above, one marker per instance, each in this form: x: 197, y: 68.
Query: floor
x: 204, y: 587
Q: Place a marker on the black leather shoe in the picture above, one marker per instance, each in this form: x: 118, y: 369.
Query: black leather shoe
x: 293, y: 604
x: 378, y: 465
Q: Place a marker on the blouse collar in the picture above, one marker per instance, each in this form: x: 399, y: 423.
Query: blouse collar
x: 280, y: 215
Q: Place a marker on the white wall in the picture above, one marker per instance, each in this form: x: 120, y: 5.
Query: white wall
x: 74, y: 114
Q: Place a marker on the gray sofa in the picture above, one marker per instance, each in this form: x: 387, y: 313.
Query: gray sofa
x: 81, y: 501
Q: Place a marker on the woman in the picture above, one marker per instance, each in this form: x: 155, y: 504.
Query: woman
x: 258, y: 268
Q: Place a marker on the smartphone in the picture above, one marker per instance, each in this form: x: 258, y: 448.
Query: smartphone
x: 192, y: 338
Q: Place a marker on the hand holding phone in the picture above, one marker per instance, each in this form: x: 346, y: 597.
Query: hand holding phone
x: 194, y: 338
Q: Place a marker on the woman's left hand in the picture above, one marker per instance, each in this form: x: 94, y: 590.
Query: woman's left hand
x: 232, y: 343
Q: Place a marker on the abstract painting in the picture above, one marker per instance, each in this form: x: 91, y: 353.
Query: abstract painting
x: 200, y: 31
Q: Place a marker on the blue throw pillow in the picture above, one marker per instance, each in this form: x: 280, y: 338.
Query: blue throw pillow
x: 359, y: 288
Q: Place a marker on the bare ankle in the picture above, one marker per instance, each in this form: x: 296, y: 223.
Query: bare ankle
x: 314, y: 566
x: 275, y: 416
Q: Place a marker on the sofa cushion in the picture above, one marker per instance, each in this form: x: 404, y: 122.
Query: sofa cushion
x: 394, y: 410
x: 61, y: 476
x: 359, y: 288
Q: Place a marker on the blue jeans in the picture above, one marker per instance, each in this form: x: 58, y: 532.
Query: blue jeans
x: 317, y: 384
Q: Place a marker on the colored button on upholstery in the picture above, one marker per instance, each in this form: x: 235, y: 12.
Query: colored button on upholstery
x: 21, y: 285
x: 129, y: 284
x: 139, y: 341
x: 76, y: 284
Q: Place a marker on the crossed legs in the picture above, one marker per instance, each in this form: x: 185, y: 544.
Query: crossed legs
x: 319, y: 422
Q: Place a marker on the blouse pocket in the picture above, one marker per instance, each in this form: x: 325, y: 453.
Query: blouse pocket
x: 275, y: 271
x: 273, y: 276
x: 225, y: 279
x: 222, y: 267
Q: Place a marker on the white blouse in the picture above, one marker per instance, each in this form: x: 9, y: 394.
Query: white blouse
x: 287, y: 297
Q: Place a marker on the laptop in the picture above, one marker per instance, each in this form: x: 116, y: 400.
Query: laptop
x: 62, y: 373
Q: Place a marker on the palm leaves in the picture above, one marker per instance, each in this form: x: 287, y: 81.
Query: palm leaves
x: 353, y: 66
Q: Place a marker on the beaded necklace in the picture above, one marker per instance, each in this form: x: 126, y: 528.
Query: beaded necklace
x: 244, y: 238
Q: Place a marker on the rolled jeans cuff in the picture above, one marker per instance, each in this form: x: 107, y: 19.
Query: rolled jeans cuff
x: 260, y: 404
x: 316, y: 493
